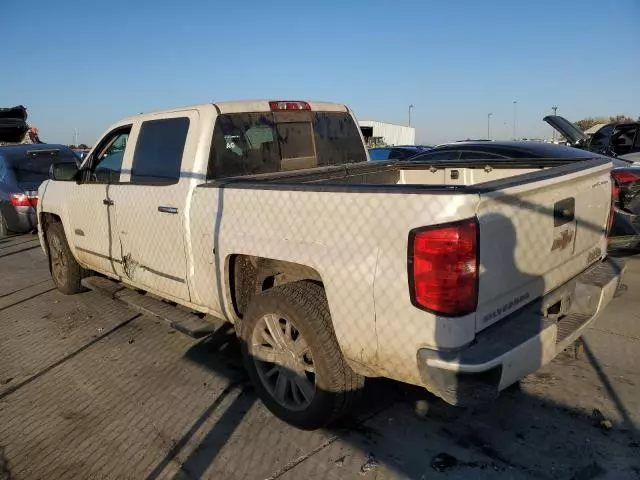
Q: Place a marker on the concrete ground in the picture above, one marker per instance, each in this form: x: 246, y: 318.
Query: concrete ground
x: 91, y: 389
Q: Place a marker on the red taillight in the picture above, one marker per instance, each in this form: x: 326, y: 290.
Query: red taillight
x: 289, y: 105
x: 623, y: 177
x: 22, y: 200
x: 443, y: 268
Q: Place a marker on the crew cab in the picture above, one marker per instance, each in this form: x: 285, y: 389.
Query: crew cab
x: 460, y: 278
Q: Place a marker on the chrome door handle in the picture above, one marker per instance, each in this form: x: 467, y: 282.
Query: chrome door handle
x: 167, y: 209
x: 107, y: 201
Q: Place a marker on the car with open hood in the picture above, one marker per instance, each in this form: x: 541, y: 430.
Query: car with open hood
x: 613, y: 139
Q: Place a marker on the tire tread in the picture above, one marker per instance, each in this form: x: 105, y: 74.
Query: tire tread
x: 76, y: 272
x: 310, y: 298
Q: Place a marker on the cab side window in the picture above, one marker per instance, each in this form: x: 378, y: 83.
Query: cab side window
x: 106, y: 163
x: 159, y: 149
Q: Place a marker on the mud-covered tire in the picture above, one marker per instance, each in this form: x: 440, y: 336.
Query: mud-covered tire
x: 66, y: 273
x: 337, y: 386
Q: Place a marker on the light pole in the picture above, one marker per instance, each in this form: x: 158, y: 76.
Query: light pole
x: 489, y: 126
x: 555, y: 112
x: 410, y: 107
x: 515, y: 113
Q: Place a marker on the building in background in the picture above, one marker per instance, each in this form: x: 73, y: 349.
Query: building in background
x: 380, y: 134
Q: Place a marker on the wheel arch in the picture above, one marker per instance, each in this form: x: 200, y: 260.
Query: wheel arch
x: 248, y: 275
x: 44, y: 220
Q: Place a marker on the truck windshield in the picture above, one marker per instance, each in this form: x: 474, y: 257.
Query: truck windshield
x: 255, y: 143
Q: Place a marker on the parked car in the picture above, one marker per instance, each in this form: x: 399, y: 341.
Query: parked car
x: 333, y: 268
x: 625, y: 233
x: 404, y: 152
x: 612, y: 139
x: 22, y: 169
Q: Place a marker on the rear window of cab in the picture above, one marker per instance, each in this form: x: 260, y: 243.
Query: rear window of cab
x: 256, y: 143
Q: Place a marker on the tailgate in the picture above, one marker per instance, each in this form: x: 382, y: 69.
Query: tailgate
x: 536, y: 236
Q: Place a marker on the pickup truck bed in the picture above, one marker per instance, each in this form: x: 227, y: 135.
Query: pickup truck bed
x: 433, y: 175
x: 344, y: 270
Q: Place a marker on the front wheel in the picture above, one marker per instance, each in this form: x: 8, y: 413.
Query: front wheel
x: 65, y: 270
x: 293, y: 357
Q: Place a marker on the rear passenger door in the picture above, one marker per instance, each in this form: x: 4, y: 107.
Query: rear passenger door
x: 150, y: 204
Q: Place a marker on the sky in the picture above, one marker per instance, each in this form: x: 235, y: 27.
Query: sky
x: 78, y: 64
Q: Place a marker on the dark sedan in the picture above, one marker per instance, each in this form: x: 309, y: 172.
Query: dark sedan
x: 625, y: 232
x: 401, y: 152
x: 22, y: 169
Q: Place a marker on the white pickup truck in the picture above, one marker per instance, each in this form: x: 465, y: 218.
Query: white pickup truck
x: 459, y: 277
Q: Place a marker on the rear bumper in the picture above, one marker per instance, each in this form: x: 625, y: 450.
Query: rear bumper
x: 26, y: 220
x: 20, y: 219
x: 521, y: 343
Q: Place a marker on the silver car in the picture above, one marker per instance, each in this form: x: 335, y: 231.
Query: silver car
x: 22, y: 169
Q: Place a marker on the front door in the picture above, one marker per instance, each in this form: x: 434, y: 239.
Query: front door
x: 151, y: 203
x: 92, y: 217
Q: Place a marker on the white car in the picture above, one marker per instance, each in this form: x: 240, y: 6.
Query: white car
x: 457, y: 277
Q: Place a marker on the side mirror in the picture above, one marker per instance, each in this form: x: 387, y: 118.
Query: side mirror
x: 63, y: 172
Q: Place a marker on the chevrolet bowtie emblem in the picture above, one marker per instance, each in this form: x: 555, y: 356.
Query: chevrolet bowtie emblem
x: 561, y: 242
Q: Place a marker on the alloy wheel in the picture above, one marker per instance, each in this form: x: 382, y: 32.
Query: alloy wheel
x: 283, y: 361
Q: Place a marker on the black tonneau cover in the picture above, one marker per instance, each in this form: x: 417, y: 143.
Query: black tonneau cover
x: 382, y: 176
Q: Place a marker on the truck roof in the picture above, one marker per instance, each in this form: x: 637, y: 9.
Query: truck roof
x: 242, y: 106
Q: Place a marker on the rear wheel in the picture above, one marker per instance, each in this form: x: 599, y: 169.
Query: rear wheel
x: 65, y: 271
x: 293, y: 357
